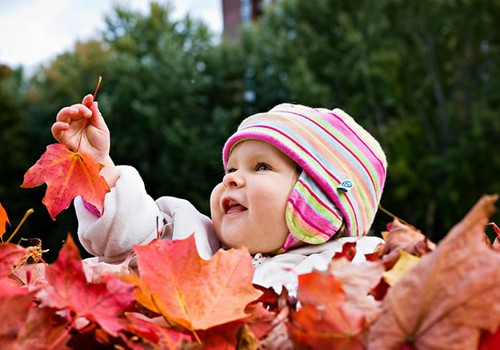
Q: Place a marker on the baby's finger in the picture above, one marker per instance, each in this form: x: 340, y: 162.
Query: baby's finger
x: 58, y: 129
x: 97, y: 118
x: 74, y: 112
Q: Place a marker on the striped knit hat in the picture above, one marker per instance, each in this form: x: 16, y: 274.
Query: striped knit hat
x: 344, y: 169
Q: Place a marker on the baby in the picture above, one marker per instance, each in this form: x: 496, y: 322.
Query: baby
x: 299, y: 182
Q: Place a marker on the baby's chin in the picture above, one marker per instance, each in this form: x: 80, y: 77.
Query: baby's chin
x: 233, y: 245
x: 228, y: 241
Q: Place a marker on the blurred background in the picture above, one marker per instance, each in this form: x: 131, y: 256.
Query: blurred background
x: 422, y: 76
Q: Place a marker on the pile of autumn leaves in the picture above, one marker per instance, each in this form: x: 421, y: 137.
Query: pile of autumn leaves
x: 409, y: 294
x: 449, y: 298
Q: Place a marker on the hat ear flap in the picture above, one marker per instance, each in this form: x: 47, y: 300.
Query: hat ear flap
x: 310, y: 215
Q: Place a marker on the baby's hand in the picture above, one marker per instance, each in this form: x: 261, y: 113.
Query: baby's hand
x: 81, y: 127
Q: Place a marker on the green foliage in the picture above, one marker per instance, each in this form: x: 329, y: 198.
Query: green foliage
x: 13, y: 152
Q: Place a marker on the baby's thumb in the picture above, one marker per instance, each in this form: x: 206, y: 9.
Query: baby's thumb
x: 97, y: 119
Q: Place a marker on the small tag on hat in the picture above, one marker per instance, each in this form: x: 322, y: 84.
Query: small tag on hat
x: 345, y: 186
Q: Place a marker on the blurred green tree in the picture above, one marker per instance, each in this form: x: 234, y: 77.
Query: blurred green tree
x: 13, y: 152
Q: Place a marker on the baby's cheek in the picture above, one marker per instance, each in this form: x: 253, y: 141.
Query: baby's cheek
x: 215, y: 208
x: 215, y: 198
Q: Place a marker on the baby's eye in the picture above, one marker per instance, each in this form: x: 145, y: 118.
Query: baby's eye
x: 262, y: 167
x: 230, y: 170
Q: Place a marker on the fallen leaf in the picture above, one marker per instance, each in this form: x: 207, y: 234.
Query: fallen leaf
x: 41, y: 331
x: 68, y: 288
x: 195, y: 293
x: 67, y: 174
x: 348, y: 251
x: 246, y: 339
x: 325, y: 321
x: 489, y: 341
x: 404, y: 264
x: 450, y: 297
x: 14, y: 308
x: 358, y: 282
x: 4, y: 220
x: 149, y: 332
x: 403, y: 237
x: 231, y: 335
x: 23, y: 325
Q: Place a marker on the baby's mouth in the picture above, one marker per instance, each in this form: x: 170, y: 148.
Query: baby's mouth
x: 231, y: 206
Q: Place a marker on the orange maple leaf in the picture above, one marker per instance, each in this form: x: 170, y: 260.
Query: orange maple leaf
x: 4, y: 219
x: 325, y: 320
x: 450, y: 297
x: 195, y: 293
x: 67, y: 174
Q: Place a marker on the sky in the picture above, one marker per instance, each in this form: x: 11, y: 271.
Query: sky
x: 33, y: 32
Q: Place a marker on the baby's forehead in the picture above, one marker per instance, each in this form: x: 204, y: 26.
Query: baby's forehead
x: 254, y: 149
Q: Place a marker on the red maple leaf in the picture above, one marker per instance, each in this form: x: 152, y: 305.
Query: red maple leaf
x: 14, y: 308
x: 325, y: 320
x: 150, y: 332
x: 195, y: 293
x: 240, y: 333
x: 67, y: 174
x: 68, y: 288
x: 24, y: 326
x: 450, y: 297
x: 4, y: 220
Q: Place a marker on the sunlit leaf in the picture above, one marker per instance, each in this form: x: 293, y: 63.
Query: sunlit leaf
x: 67, y: 174
x: 192, y: 292
x: 450, y: 297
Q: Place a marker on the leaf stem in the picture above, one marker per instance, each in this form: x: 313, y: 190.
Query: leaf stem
x: 97, y: 87
x: 28, y: 213
x: 381, y: 208
x: 196, y: 336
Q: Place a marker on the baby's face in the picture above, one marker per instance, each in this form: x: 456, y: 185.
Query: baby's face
x: 248, y: 206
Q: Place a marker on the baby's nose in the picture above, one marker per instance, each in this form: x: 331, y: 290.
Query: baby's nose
x: 233, y: 179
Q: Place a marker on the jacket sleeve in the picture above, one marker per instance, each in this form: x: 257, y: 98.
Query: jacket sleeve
x: 131, y: 217
x: 187, y: 220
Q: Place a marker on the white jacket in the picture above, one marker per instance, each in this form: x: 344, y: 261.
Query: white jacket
x: 131, y: 217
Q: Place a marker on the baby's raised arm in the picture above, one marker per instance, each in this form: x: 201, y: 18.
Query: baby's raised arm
x: 81, y: 127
